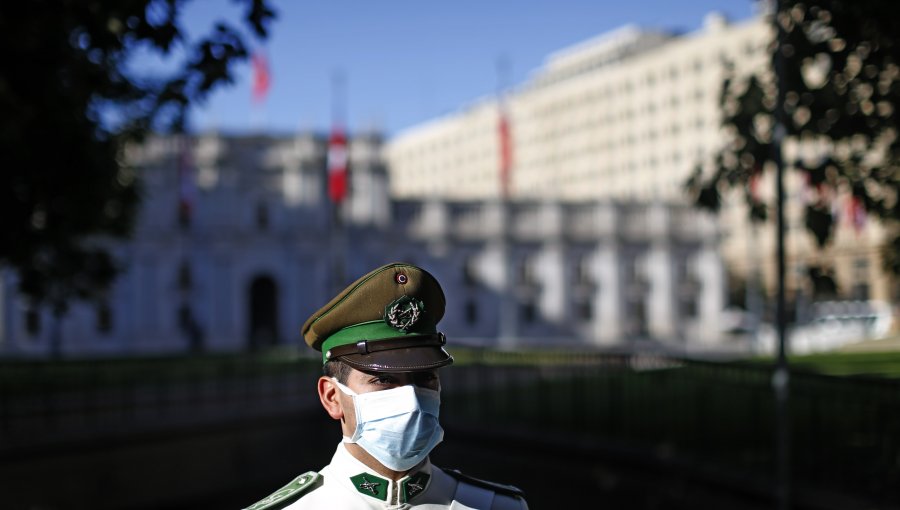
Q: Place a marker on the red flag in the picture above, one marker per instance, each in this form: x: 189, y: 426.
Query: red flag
x: 856, y: 213
x: 337, y: 165
x: 262, y: 79
x: 755, y: 176
x: 506, y: 155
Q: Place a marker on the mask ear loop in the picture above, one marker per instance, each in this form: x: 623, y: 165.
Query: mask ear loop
x: 352, y: 394
x: 344, y: 389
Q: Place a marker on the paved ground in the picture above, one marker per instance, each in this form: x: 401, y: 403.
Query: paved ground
x: 891, y: 343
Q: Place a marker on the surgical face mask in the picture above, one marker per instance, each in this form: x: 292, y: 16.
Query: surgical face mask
x: 399, y: 427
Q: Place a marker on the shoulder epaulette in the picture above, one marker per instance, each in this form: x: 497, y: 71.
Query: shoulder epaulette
x: 291, y: 492
x: 499, y: 488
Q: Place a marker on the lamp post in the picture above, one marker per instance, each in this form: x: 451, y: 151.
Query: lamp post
x: 781, y: 375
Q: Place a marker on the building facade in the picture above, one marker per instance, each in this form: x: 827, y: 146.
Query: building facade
x: 237, y: 244
x: 628, y: 116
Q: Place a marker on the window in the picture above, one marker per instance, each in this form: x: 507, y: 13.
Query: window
x: 471, y: 313
x: 104, y: 318
x: 184, y: 215
x: 861, y: 280
x: 637, y: 314
x: 470, y: 274
x: 32, y: 322
x: 688, y: 305
x: 262, y: 216
x: 185, y: 279
x: 861, y: 269
x: 185, y: 318
x: 528, y: 312
x: 585, y: 310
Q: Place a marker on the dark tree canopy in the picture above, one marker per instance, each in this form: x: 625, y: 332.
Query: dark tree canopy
x: 840, y: 75
x: 71, y: 101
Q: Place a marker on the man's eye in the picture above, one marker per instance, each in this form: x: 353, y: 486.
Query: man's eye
x: 427, y: 378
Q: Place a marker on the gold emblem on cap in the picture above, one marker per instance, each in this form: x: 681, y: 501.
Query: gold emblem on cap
x: 403, y: 313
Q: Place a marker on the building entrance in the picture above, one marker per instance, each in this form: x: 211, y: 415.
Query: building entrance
x: 263, y: 330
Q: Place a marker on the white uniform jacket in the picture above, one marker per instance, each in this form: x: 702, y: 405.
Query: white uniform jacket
x: 348, y: 484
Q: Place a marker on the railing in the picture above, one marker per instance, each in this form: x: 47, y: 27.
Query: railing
x: 44, y: 405
x: 845, y: 431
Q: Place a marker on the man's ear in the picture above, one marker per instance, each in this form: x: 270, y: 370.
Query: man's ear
x: 328, y: 395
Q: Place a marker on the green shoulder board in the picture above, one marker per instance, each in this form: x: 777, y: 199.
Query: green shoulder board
x: 499, y: 488
x: 289, y: 493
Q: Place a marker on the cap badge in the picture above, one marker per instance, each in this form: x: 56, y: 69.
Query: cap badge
x: 403, y: 313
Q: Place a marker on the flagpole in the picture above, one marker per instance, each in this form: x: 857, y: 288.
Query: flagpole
x: 507, y: 328
x: 338, y: 158
x: 186, y: 194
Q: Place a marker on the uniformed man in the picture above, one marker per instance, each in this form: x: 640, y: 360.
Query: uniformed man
x: 381, y: 352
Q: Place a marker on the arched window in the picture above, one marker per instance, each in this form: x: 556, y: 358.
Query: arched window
x: 104, y: 318
x: 32, y: 321
x: 263, y: 312
x: 471, y: 313
x: 185, y: 278
x: 262, y: 216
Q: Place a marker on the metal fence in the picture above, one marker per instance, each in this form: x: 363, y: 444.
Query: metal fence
x: 45, y: 405
x: 845, y: 431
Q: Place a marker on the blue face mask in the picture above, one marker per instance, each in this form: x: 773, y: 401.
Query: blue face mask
x: 399, y: 427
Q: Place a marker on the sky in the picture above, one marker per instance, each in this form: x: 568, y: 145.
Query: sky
x: 404, y: 62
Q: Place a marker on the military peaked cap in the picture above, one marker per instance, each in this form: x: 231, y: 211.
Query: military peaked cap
x: 386, y: 321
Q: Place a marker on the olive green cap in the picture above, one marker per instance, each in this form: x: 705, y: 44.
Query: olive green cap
x: 386, y: 321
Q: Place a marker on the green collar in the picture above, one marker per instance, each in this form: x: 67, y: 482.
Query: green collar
x: 414, y: 485
x: 376, y: 487
x: 371, y: 485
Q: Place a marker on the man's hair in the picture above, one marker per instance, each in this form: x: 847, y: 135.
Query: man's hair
x: 337, y: 369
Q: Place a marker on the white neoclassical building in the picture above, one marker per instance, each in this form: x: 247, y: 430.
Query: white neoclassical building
x: 237, y: 244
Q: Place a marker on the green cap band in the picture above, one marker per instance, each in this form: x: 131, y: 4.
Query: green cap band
x: 371, y: 331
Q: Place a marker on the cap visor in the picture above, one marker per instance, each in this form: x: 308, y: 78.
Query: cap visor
x: 399, y: 360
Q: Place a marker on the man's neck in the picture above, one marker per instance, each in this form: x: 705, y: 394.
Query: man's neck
x: 363, y: 456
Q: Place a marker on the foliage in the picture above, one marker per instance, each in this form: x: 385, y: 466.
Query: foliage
x: 71, y: 101
x: 840, y: 65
